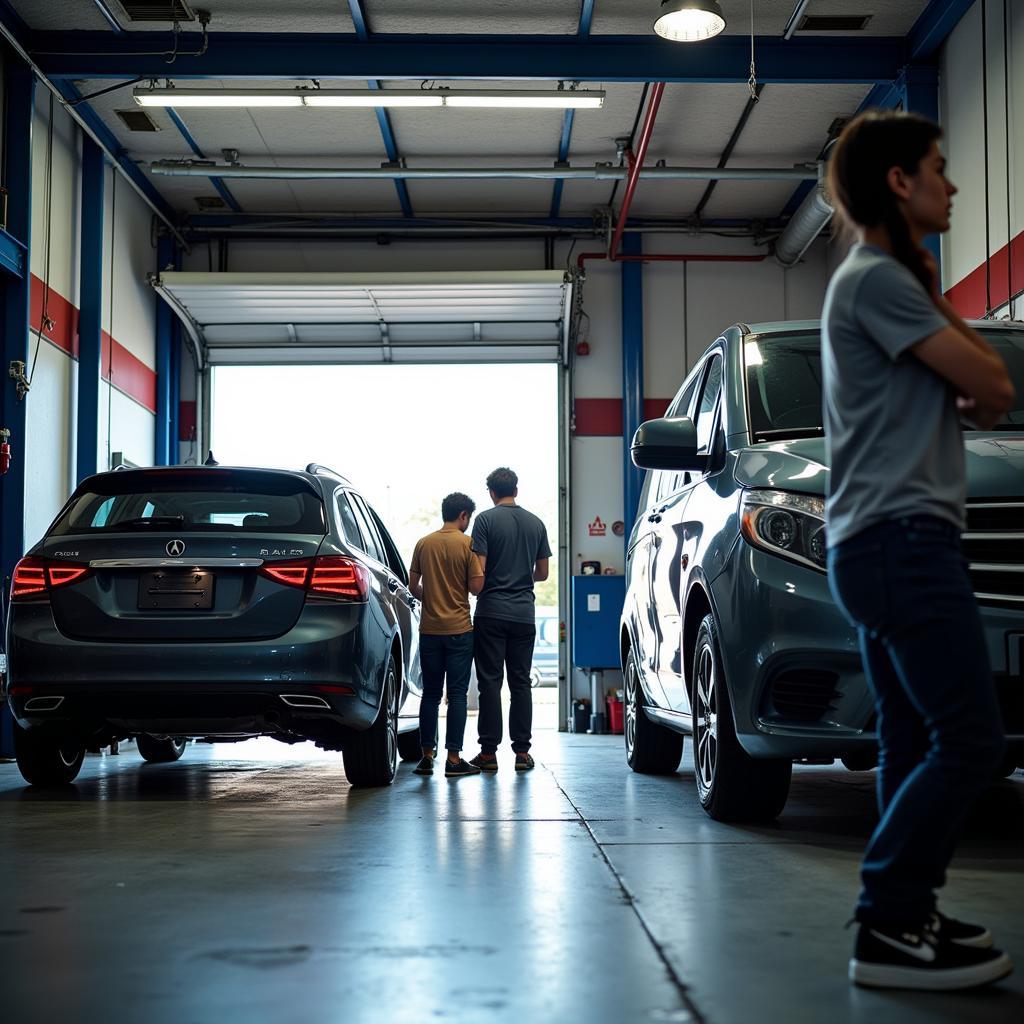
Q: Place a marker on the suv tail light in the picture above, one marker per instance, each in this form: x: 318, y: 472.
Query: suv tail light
x: 331, y: 576
x: 36, y: 577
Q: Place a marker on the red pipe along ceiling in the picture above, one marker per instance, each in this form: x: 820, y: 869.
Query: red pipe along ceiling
x: 635, y: 163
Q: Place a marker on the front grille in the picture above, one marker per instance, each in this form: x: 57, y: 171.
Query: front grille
x: 803, y: 694
x: 994, y: 548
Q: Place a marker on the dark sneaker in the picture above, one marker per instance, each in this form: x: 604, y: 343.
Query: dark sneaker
x: 960, y: 933
x: 485, y: 762
x: 425, y: 767
x: 456, y: 769
x: 892, y: 957
x: 524, y: 762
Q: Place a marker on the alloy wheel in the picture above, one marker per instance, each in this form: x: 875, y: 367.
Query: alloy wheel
x: 391, y: 696
x: 631, y: 708
x: 705, y: 726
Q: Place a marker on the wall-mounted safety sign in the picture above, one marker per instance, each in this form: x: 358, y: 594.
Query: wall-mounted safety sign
x: 597, y: 527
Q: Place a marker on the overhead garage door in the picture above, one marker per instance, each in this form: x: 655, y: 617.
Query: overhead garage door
x: 511, y: 316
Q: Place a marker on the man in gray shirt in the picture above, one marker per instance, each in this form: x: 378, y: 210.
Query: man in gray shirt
x: 512, y: 545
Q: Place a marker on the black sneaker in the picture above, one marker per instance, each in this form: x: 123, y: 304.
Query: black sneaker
x: 960, y: 933
x: 524, y: 763
x: 894, y: 957
x: 456, y: 769
x: 425, y: 767
x: 485, y: 762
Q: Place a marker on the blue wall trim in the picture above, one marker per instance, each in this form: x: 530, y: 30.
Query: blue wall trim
x: 218, y: 184
x: 19, y: 88
x: 632, y: 372
x: 90, y: 320
x: 726, y: 58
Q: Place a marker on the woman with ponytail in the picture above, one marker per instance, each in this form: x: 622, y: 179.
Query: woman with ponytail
x: 900, y: 369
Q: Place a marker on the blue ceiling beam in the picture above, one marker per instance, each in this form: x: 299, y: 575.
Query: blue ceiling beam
x: 110, y: 142
x: 934, y: 27
x: 217, y: 183
x: 582, y: 32
x: 387, y: 131
x: 104, y: 9
x: 254, y: 56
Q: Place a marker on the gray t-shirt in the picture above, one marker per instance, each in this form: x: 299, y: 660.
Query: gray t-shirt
x: 891, y: 423
x: 512, y: 540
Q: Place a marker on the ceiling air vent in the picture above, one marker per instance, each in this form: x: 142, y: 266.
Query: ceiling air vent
x: 210, y: 203
x: 137, y: 120
x: 837, y: 23
x: 157, y: 10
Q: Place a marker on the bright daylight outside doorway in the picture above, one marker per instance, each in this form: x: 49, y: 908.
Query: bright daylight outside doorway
x: 406, y: 436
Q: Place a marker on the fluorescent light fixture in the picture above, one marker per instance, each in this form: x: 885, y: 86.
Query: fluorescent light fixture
x: 559, y: 99
x: 689, y: 21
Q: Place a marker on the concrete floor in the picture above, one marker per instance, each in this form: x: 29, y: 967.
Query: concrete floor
x: 248, y: 882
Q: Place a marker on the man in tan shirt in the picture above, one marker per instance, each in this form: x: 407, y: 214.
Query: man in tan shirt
x: 443, y: 573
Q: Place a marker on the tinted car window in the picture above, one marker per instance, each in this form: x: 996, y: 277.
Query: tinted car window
x: 193, y: 501
x: 708, y: 400
x: 394, y: 559
x: 374, y: 546
x: 349, y: 526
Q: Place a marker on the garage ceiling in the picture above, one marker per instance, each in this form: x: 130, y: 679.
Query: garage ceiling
x: 510, y: 316
x: 789, y: 125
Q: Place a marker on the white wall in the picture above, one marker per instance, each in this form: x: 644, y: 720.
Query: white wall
x: 128, y: 314
x: 962, y: 114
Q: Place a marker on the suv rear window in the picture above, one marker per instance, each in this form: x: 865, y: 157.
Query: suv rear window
x: 193, y: 501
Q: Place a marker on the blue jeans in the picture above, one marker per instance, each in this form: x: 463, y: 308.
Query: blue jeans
x: 444, y: 657
x: 904, y: 585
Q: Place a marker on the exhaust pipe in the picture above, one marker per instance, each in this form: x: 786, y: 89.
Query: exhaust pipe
x: 303, y: 700
x: 44, y: 703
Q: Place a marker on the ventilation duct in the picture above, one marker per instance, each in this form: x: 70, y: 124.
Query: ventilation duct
x: 157, y: 10
x: 811, y: 218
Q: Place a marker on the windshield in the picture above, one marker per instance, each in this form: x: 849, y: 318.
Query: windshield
x: 784, y: 382
x: 191, y: 501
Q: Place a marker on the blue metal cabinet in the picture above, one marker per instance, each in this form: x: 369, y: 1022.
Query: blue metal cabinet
x: 596, y: 611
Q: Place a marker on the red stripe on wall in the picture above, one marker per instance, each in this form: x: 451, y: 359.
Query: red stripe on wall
x: 969, y: 296
x: 130, y: 375
x: 602, y: 417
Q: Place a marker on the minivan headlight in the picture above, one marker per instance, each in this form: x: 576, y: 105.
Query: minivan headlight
x: 789, y: 525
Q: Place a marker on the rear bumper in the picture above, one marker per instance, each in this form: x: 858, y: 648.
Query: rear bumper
x: 194, y: 689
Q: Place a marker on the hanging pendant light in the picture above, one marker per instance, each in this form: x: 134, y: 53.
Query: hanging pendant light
x: 689, y: 21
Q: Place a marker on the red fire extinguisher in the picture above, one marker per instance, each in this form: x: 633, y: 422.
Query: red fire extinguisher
x: 5, y: 450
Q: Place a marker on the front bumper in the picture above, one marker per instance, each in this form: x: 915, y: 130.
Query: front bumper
x: 793, y: 663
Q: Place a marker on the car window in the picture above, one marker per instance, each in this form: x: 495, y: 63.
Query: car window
x: 681, y: 406
x: 349, y: 524
x: 705, y: 416
x: 394, y: 559
x: 374, y: 545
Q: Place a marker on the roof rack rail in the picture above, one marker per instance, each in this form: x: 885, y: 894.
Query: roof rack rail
x: 315, y: 467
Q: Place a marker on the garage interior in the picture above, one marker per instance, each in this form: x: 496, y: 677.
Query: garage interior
x: 219, y: 183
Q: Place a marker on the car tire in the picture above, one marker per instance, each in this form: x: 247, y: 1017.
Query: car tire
x: 651, y: 749
x: 45, y: 759
x: 409, y: 746
x: 732, y: 785
x: 1012, y: 760
x: 371, y: 757
x: 160, y: 751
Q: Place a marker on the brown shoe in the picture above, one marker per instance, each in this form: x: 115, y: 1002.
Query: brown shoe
x: 485, y: 762
x: 524, y: 763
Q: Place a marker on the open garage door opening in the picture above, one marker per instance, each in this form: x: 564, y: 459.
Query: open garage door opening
x: 406, y: 436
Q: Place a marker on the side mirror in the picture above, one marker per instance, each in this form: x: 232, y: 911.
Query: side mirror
x: 667, y: 444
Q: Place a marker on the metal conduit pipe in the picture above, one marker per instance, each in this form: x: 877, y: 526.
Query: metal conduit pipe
x: 599, y: 172
x: 635, y: 164
x: 811, y: 218
x: 663, y: 257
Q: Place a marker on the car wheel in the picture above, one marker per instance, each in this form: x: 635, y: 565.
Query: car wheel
x: 160, y: 751
x: 409, y: 746
x: 45, y: 759
x: 732, y: 785
x: 371, y: 757
x: 1012, y: 760
x: 651, y: 749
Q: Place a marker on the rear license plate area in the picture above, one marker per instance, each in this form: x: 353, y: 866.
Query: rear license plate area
x: 165, y: 590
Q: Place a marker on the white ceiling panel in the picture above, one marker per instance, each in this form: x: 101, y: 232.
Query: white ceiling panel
x: 487, y: 198
x: 455, y: 317
x: 749, y: 199
x: 507, y: 17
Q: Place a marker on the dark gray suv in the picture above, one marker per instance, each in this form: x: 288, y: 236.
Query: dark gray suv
x: 729, y: 632
x: 213, y: 602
